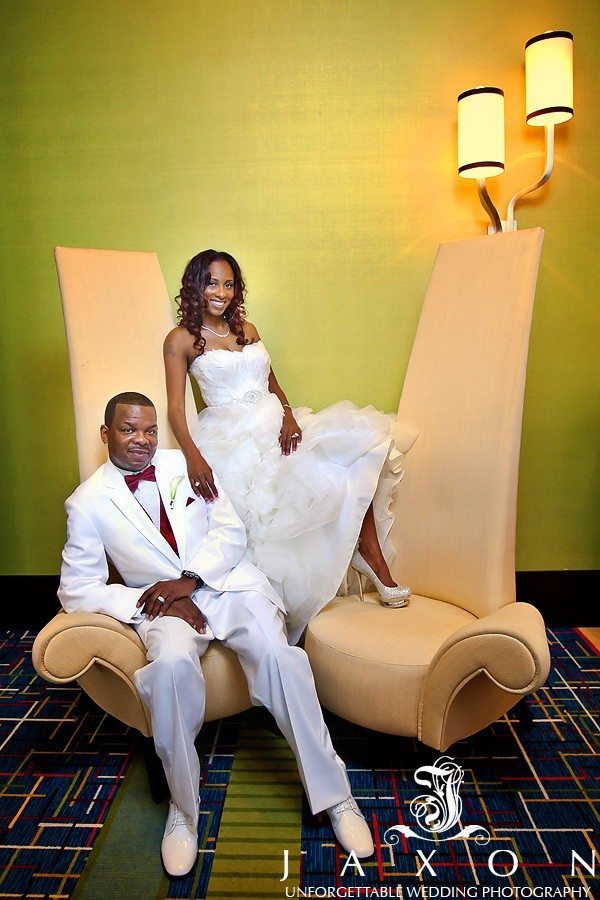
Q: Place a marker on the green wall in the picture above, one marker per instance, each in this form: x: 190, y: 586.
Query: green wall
x: 316, y: 142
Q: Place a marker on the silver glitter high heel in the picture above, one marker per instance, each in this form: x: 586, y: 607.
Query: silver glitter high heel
x: 393, y: 597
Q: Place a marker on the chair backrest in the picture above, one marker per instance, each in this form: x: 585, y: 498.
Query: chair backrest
x: 455, y: 510
x: 117, y: 313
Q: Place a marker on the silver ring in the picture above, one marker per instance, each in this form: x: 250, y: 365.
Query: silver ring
x: 160, y: 599
x: 196, y: 484
x: 295, y: 434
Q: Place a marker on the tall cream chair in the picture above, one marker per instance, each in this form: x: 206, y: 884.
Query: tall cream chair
x: 117, y: 312
x: 464, y: 651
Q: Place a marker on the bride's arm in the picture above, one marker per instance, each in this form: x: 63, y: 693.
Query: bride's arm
x: 290, y: 434
x: 176, y: 350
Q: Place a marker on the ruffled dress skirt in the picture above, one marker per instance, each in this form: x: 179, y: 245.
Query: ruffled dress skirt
x: 303, y: 512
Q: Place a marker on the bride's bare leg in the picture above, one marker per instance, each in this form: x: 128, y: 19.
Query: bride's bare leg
x: 368, y: 544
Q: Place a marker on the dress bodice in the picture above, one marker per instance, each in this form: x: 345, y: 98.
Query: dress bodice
x: 229, y: 376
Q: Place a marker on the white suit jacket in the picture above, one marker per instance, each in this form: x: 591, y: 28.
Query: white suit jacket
x: 104, y: 518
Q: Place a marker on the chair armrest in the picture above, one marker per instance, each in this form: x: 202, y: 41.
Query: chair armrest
x: 71, y: 643
x: 504, y: 654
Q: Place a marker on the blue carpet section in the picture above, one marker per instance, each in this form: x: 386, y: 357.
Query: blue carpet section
x: 61, y: 761
x: 136, y: 822
x: 530, y: 779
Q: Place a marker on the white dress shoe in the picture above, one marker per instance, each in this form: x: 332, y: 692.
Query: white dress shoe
x: 350, y: 828
x: 179, y: 846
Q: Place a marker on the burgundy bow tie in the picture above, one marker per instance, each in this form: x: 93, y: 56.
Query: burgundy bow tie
x: 134, y: 479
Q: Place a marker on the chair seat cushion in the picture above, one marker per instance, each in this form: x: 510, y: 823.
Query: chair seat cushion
x: 370, y: 662
x: 103, y: 654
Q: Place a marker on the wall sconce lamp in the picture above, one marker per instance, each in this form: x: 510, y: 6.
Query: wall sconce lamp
x: 481, y: 141
x: 549, y: 101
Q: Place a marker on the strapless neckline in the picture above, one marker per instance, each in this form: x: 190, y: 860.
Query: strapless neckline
x: 224, y: 350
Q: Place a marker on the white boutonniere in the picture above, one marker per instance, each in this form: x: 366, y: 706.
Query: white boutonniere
x: 175, y: 482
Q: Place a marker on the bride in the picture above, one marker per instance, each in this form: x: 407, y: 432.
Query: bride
x: 310, y: 488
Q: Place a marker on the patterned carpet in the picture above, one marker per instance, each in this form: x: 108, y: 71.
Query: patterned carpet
x: 76, y: 819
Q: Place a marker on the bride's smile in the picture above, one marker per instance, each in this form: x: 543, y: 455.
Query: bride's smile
x: 219, y: 291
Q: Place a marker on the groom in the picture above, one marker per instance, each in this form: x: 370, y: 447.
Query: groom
x: 186, y: 582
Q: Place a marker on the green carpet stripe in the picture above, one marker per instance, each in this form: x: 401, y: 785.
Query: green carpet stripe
x: 264, y: 835
x: 273, y: 818
x: 262, y: 788
x: 262, y: 817
x: 253, y: 776
x: 265, y: 804
x: 133, y: 829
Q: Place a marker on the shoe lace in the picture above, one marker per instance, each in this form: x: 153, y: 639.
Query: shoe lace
x: 179, y: 818
x: 348, y: 805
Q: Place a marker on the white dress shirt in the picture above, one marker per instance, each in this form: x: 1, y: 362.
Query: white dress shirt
x: 147, y: 495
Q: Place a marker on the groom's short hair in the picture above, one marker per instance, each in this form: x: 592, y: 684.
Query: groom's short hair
x: 126, y: 398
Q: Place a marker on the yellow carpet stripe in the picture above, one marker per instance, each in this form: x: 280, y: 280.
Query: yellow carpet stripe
x: 261, y: 818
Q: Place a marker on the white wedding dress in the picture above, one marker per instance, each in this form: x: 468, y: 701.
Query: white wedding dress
x: 302, y: 512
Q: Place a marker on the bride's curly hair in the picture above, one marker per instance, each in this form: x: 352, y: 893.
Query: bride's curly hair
x: 192, y: 304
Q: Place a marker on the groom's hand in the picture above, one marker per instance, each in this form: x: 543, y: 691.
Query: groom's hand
x: 187, y: 610
x: 157, y: 599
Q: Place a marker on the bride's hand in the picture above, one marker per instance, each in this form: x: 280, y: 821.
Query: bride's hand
x: 290, y: 434
x: 201, y: 477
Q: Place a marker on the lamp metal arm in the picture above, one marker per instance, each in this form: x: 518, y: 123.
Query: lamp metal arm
x: 511, y: 225
x: 486, y: 202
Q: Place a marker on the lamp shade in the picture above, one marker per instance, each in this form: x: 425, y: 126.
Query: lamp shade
x: 481, y: 132
x: 549, y: 78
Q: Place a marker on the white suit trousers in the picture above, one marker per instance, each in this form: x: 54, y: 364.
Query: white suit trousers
x: 279, y: 677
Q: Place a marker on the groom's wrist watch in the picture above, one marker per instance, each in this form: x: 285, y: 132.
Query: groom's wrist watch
x: 187, y: 574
